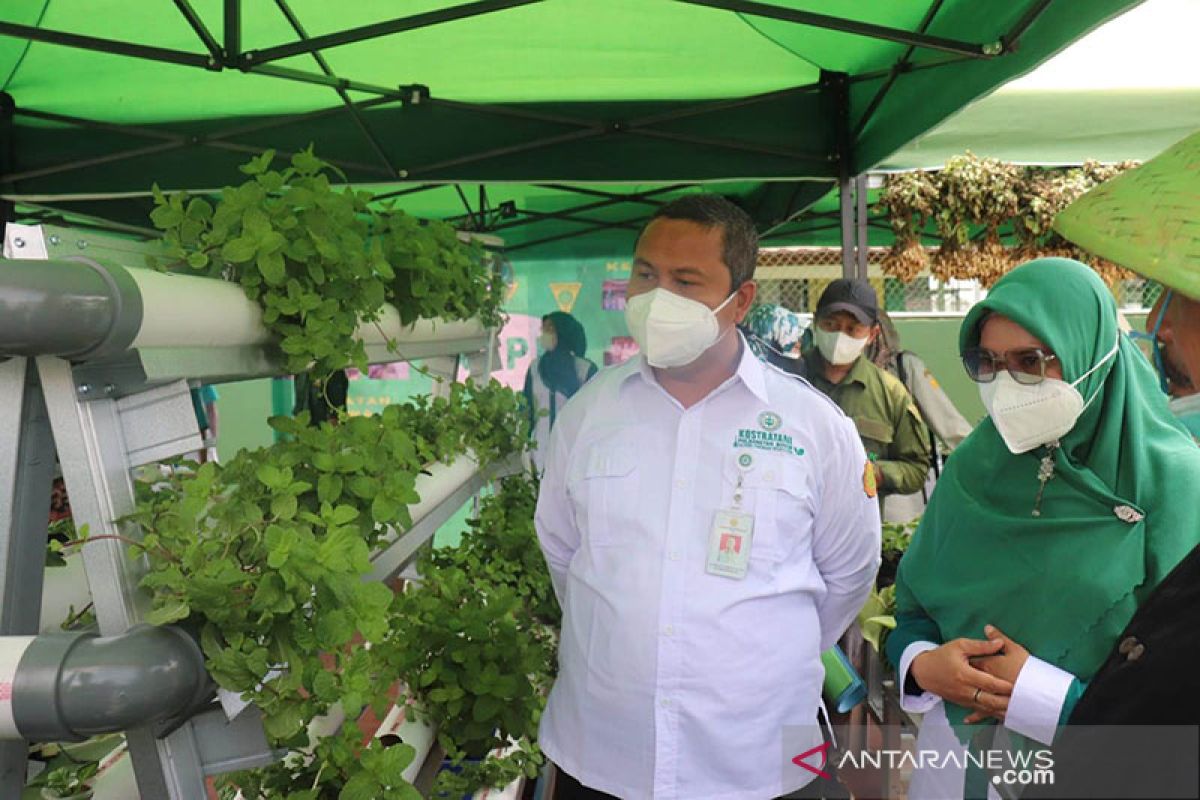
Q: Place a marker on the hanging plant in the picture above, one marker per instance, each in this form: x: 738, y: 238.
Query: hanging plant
x: 910, y: 200
x: 975, y: 192
x: 433, y: 269
x: 976, y: 198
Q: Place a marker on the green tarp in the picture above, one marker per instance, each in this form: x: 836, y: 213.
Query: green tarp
x: 554, y: 92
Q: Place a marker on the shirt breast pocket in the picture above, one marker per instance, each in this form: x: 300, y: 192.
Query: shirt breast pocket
x: 778, y: 490
x: 606, y: 494
x: 763, y: 495
x: 876, y: 434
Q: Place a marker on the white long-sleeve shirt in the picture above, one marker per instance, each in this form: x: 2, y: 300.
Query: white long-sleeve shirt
x: 675, y: 683
x: 1034, y: 710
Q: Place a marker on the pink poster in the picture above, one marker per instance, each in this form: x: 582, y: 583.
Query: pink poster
x: 518, y: 347
x: 619, y: 350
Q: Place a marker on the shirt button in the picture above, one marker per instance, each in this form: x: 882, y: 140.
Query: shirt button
x: 665, y: 702
x: 669, y: 630
x: 673, y: 555
x: 681, y: 483
x: 1127, y: 645
x: 1135, y: 653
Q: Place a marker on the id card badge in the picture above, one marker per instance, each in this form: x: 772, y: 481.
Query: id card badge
x: 729, y: 543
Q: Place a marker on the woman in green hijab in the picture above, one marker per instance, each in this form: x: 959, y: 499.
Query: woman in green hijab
x: 1053, y: 520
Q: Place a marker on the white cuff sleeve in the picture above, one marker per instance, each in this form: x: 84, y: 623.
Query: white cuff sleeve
x: 1037, y: 700
x: 915, y: 703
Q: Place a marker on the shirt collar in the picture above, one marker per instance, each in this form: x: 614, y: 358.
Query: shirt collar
x: 750, y: 370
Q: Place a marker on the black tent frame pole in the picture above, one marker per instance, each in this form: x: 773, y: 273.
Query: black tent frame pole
x: 206, y: 37
x: 900, y: 66
x: 424, y: 187
x: 837, y: 86
x: 359, y: 121
x: 1009, y: 40
x: 641, y: 197
x: 872, y: 31
x: 613, y: 199
x: 378, y: 29
x: 179, y: 141
x: 112, y: 46
x: 596, y: 227
x: 233, y: 32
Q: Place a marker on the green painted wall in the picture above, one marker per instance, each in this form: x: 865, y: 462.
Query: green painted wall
x: 242, y: 412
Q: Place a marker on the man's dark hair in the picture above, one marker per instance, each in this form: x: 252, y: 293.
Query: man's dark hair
x: 739, y: 238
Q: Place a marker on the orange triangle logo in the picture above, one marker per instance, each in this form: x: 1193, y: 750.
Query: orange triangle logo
x: 565, y: 294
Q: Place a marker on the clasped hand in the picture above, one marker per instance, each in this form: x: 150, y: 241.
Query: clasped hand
x: 974, y: 673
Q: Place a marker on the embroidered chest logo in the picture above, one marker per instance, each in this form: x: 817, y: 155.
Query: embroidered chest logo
x: 768, y: 438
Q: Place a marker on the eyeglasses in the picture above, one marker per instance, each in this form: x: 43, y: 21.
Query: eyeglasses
x: 1026, y: 365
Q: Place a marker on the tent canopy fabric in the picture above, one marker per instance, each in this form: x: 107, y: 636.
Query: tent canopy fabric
x: 769, y: 101
x: 1126, y: 91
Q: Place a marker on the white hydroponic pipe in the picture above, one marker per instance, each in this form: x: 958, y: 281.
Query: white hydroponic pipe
x: 83, y: 309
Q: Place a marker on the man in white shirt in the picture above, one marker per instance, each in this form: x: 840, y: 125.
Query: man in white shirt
x: 682, y: 665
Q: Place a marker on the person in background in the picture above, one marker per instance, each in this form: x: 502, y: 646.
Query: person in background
x: 682, y: 667
x: 888, y: 422
x: 776, y: 335
x: 946, y: 425
x: 555, y: 376
x: 204, y: 404
x: 1053, y: 522
x: 1173, y: 326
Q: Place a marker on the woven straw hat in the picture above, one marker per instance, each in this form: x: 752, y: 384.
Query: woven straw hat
x: 1146, y: 219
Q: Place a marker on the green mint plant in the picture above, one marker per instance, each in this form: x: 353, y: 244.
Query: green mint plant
x: 321, y: 260
x: 264, y: 557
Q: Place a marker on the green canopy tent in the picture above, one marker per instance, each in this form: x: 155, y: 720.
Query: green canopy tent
x: 1126, y: 91
x: 553, y: 118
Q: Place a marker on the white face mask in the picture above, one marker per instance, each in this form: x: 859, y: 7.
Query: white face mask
x: 838, y: 348
x: 672, y: 331
x: 546, y: 341
x: 1031, y: 416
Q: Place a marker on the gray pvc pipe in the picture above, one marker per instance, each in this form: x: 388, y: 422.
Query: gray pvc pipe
x: 71, y: 686
x: 73, y: 307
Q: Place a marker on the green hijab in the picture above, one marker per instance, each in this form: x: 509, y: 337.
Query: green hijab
x: 1066, y: 583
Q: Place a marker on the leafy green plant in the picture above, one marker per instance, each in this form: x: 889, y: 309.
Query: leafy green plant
x: 433, y: 269
x: 264, y: 557
x: 971, y: 201
x: 67, y: 779
x: 320, y: 260
x: 877, y: 618
x: 340, y: 766
x: 501, y: 548
x: 895, y: 540
x: 473, y: 663
x: 451, y: 674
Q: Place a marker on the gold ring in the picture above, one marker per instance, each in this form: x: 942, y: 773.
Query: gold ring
x: 975, y: 699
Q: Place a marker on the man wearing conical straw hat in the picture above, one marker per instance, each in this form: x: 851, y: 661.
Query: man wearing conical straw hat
x: 1148, y: 220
